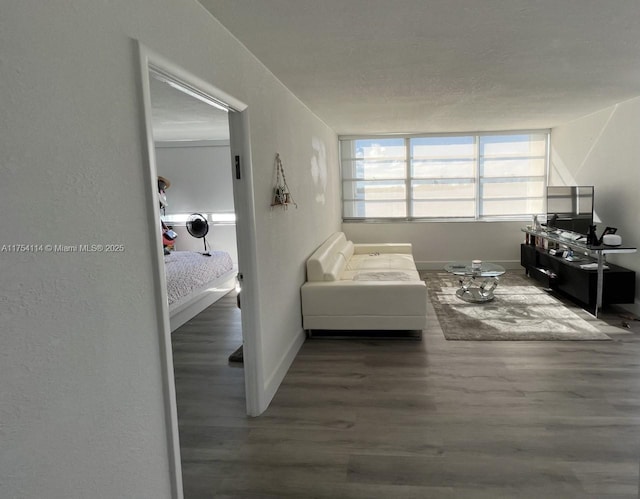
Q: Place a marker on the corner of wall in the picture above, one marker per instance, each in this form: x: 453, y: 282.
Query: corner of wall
x: 274, y: 380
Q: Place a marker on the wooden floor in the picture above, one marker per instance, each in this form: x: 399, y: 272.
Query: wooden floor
x: 412, y: 419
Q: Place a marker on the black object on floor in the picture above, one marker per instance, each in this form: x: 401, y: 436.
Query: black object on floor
x: 237, y: 356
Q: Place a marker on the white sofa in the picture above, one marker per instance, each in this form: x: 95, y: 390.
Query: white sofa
x: 363, y: 286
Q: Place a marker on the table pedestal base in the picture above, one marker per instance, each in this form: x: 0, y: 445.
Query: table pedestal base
x: 477, y: 294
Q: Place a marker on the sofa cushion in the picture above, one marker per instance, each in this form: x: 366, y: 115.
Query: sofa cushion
x: 380, y: 275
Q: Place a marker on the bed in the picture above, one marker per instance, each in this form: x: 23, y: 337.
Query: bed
x: 195, y: 281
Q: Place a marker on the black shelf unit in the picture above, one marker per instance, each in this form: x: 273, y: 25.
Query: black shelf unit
x: 557, y: 273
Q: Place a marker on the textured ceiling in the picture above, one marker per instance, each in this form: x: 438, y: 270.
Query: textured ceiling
x: 375, y: 66
x: 178, y: 116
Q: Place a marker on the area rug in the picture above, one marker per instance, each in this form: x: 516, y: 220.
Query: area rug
x: 520, y: 311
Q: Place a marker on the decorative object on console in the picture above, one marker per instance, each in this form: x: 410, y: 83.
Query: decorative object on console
x: 198, y: 227
x: 611, y: 240
x: 608, y: 231
x: 536, y: 223
x: 281, y: 193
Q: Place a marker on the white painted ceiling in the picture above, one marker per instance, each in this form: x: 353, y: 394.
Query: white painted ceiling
x: 375, y: 66
x: 180, y: 117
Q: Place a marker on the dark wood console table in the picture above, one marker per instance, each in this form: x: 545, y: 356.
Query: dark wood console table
x: 592, y: 286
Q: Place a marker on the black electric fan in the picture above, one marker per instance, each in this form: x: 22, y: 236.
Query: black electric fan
x: 198, y: 227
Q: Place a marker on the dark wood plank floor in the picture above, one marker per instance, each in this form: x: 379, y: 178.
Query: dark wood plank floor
x: 412, y: 419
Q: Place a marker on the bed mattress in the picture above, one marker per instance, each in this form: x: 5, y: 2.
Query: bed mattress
x: 189, y: 272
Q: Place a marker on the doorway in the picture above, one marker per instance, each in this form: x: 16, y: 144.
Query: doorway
x: 197, y: 209
x: 229, y: 115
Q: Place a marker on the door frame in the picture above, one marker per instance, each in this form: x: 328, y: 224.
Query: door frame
x: 245, y: 239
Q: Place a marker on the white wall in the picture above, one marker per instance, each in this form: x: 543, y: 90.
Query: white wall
x: 436, y: 243
x: 81, y: 400
x: 200, y: 176
x: 603, y: 150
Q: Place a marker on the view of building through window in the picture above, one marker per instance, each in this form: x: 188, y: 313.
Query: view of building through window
x: 462, y: 176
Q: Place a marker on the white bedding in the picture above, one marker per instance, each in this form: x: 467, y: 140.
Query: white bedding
x: 189, y: 272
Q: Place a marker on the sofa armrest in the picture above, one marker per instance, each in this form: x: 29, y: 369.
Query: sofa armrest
x: 360, y: 249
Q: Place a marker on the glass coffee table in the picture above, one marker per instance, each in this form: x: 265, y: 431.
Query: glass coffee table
x: 477, y: 282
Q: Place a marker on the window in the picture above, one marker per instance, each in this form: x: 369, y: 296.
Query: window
x: 462, y: 176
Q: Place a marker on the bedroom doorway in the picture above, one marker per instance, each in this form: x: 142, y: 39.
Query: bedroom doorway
x: 197, y: 209
x: 174, y: 138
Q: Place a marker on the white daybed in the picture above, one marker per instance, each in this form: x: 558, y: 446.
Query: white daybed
x: 195, y: 281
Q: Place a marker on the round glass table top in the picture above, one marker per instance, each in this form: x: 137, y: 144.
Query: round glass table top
x: 486, y: 269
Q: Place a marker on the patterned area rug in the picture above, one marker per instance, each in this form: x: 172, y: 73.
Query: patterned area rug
x: 520, y: 311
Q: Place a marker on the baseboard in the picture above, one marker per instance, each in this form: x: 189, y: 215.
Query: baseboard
x: 435, y: 265
x: 633, y: 308
x: 272, y: 383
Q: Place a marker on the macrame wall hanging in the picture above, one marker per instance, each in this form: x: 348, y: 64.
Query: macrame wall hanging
x: 281, y: 194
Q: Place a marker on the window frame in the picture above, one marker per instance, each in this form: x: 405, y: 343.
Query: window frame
x: 409, y: 179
